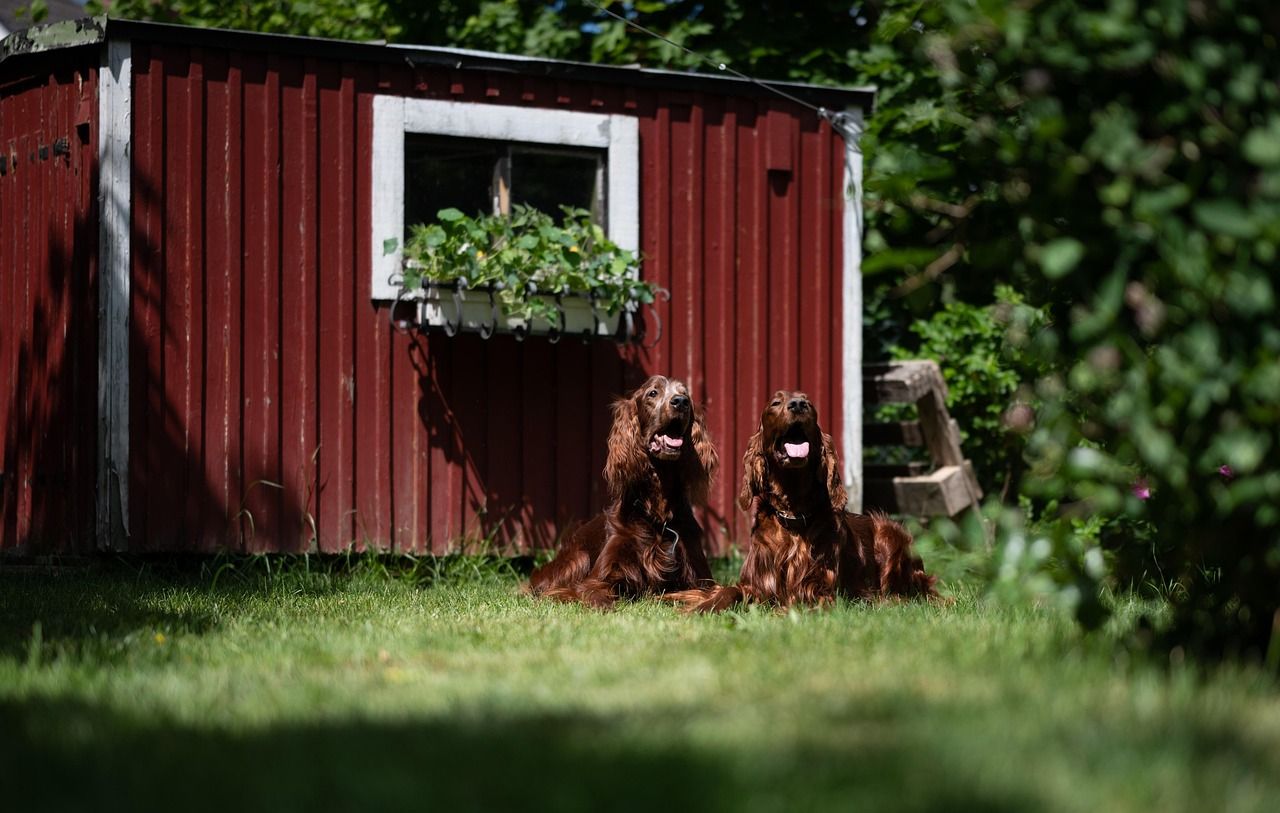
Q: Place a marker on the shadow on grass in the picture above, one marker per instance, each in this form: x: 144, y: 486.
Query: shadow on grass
x: 86, y: 608
x: 90, y: 606
x: 77, y: 612
x: 67, y: 755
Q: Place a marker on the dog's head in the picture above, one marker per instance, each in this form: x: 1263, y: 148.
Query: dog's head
x: 790, y: 443
x: 659, y: 424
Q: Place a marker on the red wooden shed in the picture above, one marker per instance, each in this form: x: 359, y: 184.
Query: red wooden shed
x: 195, y: 232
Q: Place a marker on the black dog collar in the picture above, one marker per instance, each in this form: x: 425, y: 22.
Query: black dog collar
x: 791, y: 522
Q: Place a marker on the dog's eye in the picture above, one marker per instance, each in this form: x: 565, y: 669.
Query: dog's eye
x: 775, y: 403
x: 653, y: 393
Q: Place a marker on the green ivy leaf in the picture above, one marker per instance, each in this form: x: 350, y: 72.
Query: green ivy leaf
x: 1225, y: 216
x: 1262, y: 145
x: 1059, y: 257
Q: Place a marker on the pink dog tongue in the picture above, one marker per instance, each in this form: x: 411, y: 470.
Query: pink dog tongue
x: 797, y: 449
x: 672, y: 442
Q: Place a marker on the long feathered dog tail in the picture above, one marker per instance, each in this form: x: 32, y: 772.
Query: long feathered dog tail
x: 715, y: 599
x: 902, y: 573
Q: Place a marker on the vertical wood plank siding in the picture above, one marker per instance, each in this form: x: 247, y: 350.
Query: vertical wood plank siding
x: 49, y: 295
x: 285, y: 412
x: 275, y: 408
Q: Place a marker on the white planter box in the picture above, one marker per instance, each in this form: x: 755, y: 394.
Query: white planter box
x: 436, y: 308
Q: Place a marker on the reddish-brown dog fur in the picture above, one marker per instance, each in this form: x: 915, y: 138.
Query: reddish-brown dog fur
x: 660, y: 464
x: 805, y: 547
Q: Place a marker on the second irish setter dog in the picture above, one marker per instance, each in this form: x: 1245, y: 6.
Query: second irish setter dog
x: 805, y: 547
x: 660, y: 464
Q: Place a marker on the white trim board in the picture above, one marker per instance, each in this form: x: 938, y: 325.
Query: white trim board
x: 115, y: 119
x: 393, y: 116
x: 851, y: 304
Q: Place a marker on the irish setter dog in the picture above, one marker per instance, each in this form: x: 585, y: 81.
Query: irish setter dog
x: 660, y: 464
x: 805, y: 548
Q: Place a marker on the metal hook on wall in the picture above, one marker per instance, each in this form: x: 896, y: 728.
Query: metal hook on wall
x: 557, y: 330
x: 665, y: 295
x: 399, y: 325
x: 487, y: 331
x: 451, y: 328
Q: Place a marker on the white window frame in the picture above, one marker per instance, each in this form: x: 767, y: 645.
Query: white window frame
x: 394, y: 116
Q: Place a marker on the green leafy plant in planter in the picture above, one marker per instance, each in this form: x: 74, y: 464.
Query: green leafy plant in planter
x: 527, y: 258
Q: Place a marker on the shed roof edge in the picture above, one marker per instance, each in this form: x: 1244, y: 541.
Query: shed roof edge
x: 91, y: 30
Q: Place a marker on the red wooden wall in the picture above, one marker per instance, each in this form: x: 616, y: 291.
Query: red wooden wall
x: 48, y: 304
x: 273, y: 407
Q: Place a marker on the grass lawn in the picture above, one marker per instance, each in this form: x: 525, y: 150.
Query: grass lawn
x: 130, y: 687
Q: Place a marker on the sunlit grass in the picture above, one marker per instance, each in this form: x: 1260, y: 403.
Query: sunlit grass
x: 440, y: 685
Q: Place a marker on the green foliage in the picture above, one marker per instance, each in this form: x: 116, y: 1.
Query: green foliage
x: 523, y: 255
x: 338, y: 19
x: 513, y: 27
x: 1126, y: 159
x: 36, y: 11
x: 1026, y: 557
x: 984, y: 353
x: 922, y: 183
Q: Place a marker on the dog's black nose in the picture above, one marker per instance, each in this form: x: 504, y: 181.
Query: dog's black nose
x: 680, y: 402
x: 798, y: 406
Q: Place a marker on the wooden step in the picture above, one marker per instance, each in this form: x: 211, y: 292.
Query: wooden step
x: 944, y: 492
x: 944, y: 487
x: 901, y: 382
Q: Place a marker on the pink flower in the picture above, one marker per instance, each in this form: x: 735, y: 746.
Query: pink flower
x: 1141, y: 489
x: 1226, y: 472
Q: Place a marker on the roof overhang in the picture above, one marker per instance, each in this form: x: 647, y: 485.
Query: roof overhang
x: 91, y: 30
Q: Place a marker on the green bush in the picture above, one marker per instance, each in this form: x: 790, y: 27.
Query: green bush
x: 990, y: 373
x: 1132, y: 179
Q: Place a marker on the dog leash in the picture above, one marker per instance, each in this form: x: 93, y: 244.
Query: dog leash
x: 667, y: 527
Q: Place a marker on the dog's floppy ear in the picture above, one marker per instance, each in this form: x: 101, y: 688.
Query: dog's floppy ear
x: 626, y: 460
x: 753, y: 470
x: 832, y: 475
x: 704, y: 462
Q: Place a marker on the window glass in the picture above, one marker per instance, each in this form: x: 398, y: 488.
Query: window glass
x: 487, y: 177
x: 547, y: 180
x: 443, y: 172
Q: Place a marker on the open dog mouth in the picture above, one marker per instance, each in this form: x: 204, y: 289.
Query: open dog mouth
x: 793, y: 446
x: 667, y: 443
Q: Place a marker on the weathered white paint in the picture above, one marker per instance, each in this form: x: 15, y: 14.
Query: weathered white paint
x: 851, y: 302
x: 114, y: 124
x: 533, y: 125
x: 395, y: 116
x: 624, y: 181
x: 388, y: 195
